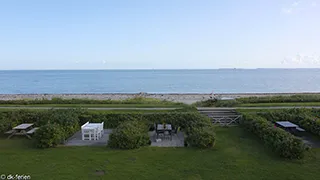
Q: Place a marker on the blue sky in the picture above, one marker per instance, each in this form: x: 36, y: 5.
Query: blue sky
x: 166, y: 34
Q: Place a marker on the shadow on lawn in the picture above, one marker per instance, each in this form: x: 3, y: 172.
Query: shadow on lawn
x: 250, y: 145
x: 16, y: 142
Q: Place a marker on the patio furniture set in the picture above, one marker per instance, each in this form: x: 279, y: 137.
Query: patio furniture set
x: 25, y: 129
x: 289, y: 126
x: 165, y: 130
x: 92, y: 131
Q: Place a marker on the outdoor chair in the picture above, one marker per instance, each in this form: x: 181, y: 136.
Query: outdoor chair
x: 99, y: 133
x: 91, y: 131
x: 159, y: 133
x: 167, y: 135
x: 88, y: 134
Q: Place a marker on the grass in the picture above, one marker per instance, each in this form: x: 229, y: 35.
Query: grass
x: 235, y: 103
x: 124, y: 109
x: 297, y: 104
x: 115, y: 110
x: 97, y: 105
x: 135, y: 100
x: 280, y: 104
x: 255, y: 110
x: 237, y: 155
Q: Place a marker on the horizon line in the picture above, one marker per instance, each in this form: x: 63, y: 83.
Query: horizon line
x: 145, y: 69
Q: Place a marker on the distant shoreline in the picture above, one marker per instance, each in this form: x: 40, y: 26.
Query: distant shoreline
x: 177, y: 97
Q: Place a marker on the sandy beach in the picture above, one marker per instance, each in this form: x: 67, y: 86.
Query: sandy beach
x: 185, y: 98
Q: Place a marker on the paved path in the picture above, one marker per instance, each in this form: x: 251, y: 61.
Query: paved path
x: 90, y: 108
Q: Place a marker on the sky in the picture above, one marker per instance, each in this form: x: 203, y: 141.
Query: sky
x: 159, y: 34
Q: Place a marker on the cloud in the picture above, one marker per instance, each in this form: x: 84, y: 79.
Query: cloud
x: 295, y: 4
x: 313, y: 4
x: 104, y: 62
x: 302, y: 59
x: 291, y: 8
x: 287, y: 10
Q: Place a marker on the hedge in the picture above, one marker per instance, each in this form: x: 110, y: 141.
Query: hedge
x: 67, y: 119
x: 217, y: 103
x: 49, y: 135
x: 70, y: 120
x: 5, y: 124
x: 129, y: 135
x: 305, y: 118
x: 110, y: 119
x: 136, y: 100
x: 280, y: 141
x: 201, y: 137
x: 254, y: 99
x: 280, y: 99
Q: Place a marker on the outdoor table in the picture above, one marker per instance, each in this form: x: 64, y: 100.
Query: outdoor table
x: 162, y: 129
x: 93, y: 127
x: 21, y: 130
x: 287, y: 125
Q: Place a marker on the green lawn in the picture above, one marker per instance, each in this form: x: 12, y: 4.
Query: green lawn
x: 97, y: 105
x: 237, y: 155
x: 113, y: 110
x: 280, y: 104
x: 257, y: 110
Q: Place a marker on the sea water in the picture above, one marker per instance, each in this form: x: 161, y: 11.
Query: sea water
x: 160, y: 81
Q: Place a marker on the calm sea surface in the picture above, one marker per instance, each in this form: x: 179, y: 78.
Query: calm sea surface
x: 160, y: 81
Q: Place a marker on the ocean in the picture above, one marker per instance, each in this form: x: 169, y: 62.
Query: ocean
x: 160, y: 81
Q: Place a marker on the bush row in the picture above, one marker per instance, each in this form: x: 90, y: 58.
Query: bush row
x: 68, y: 121
x: 60, y: 125
x: 217, y: 103
x: 136, y: 100
x: 12, y: 118
x: 266, y: 99
x: 280, y: 99
x: 201, y: 137
x: 129, y: 135
x: 49, y: 135
x: 305, y: 118
x: 112, y: 120
x: 280, y: 141
x: 198, y: 128
x: 55, y: 125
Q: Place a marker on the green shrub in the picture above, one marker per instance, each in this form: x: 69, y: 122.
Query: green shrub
x: 206, y: 103
x: 254, y: 99
x: 114, y: 119
x: 280, y: 99
x: 201, y: 137
x: 70, y: 117
x: 129, y: 135
x: 136, y: 100
x: 302, y: 117
x: 76, y: 117
x: 49, y: 135
x: 5, y: 124
x: 227, y: 103
x: 110, y: 119
x: 280, y: 141
x: 67, y: 119
x: 217, y: 103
